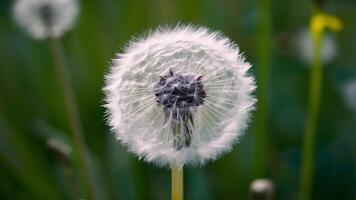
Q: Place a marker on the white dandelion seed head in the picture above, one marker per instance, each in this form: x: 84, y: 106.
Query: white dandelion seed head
x: 350, y: 94
x: 262, y: 189
x: 179, y: 96
x: 46, y: 18
x: 304, y: 44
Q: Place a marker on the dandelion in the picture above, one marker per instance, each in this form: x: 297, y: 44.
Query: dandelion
x: 46, y: 18
x: 304, y: 43
x: 50, y: 19
x: 262, y: 189
x: 319, y: 22
x: 179, y: 96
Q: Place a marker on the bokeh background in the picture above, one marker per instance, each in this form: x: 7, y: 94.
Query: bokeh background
x: 35, y: 146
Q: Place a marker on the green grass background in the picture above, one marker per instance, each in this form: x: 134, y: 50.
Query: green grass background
x: 32, y: 108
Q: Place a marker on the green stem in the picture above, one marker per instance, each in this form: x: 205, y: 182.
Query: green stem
x: 264, y: 49
x: 177, y: 183
x: 313, y: 110
x: 80, y: 147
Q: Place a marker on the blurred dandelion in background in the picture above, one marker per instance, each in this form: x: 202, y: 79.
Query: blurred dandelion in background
x: 46, y: 18
x: 179, y: 96
x: 262, y: 189
x: 50, y: 19
x: 304, y: 44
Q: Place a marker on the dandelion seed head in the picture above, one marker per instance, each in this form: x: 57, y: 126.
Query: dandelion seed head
x: 262, y: 189
x: 46, y: 18
x: 304, y: 44
x: 179, y: 96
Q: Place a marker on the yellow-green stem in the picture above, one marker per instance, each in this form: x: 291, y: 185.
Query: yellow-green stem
x: 177, y: 183
x: 312, y: 115
x: 80, y: 147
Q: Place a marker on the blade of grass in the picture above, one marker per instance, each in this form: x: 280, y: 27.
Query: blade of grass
x: 313, y: 110
x: 263, y: 73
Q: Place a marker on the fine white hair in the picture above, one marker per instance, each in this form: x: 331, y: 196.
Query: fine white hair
x: 28, y: 15
x: 139, y: 122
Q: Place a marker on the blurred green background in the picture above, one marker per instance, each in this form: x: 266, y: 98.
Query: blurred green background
x: 35, y: 146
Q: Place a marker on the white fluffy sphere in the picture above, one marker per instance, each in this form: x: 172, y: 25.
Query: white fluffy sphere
x: 46, y: 18
x: 140, y: 122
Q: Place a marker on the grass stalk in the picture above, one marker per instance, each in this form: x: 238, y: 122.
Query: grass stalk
x: 263, y: 73
x: 80, y: 147
x: 177, y: 183
x: 315, y: 87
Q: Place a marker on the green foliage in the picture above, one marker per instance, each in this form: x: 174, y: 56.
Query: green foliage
x: 32, y: 106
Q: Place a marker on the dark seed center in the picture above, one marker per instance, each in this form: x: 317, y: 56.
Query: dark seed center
x: 180, y: 95
x: 47, y: 14
x: 180, y: 91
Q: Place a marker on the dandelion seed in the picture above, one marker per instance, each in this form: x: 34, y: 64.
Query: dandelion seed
x: 46, y: 18
x: 304, y: 44
x: 179, y: 96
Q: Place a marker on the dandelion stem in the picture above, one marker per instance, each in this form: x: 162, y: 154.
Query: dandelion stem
x: 177, y: 183
x: 264, y: 49
x: 80, y: 148
x: 313, y: 109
